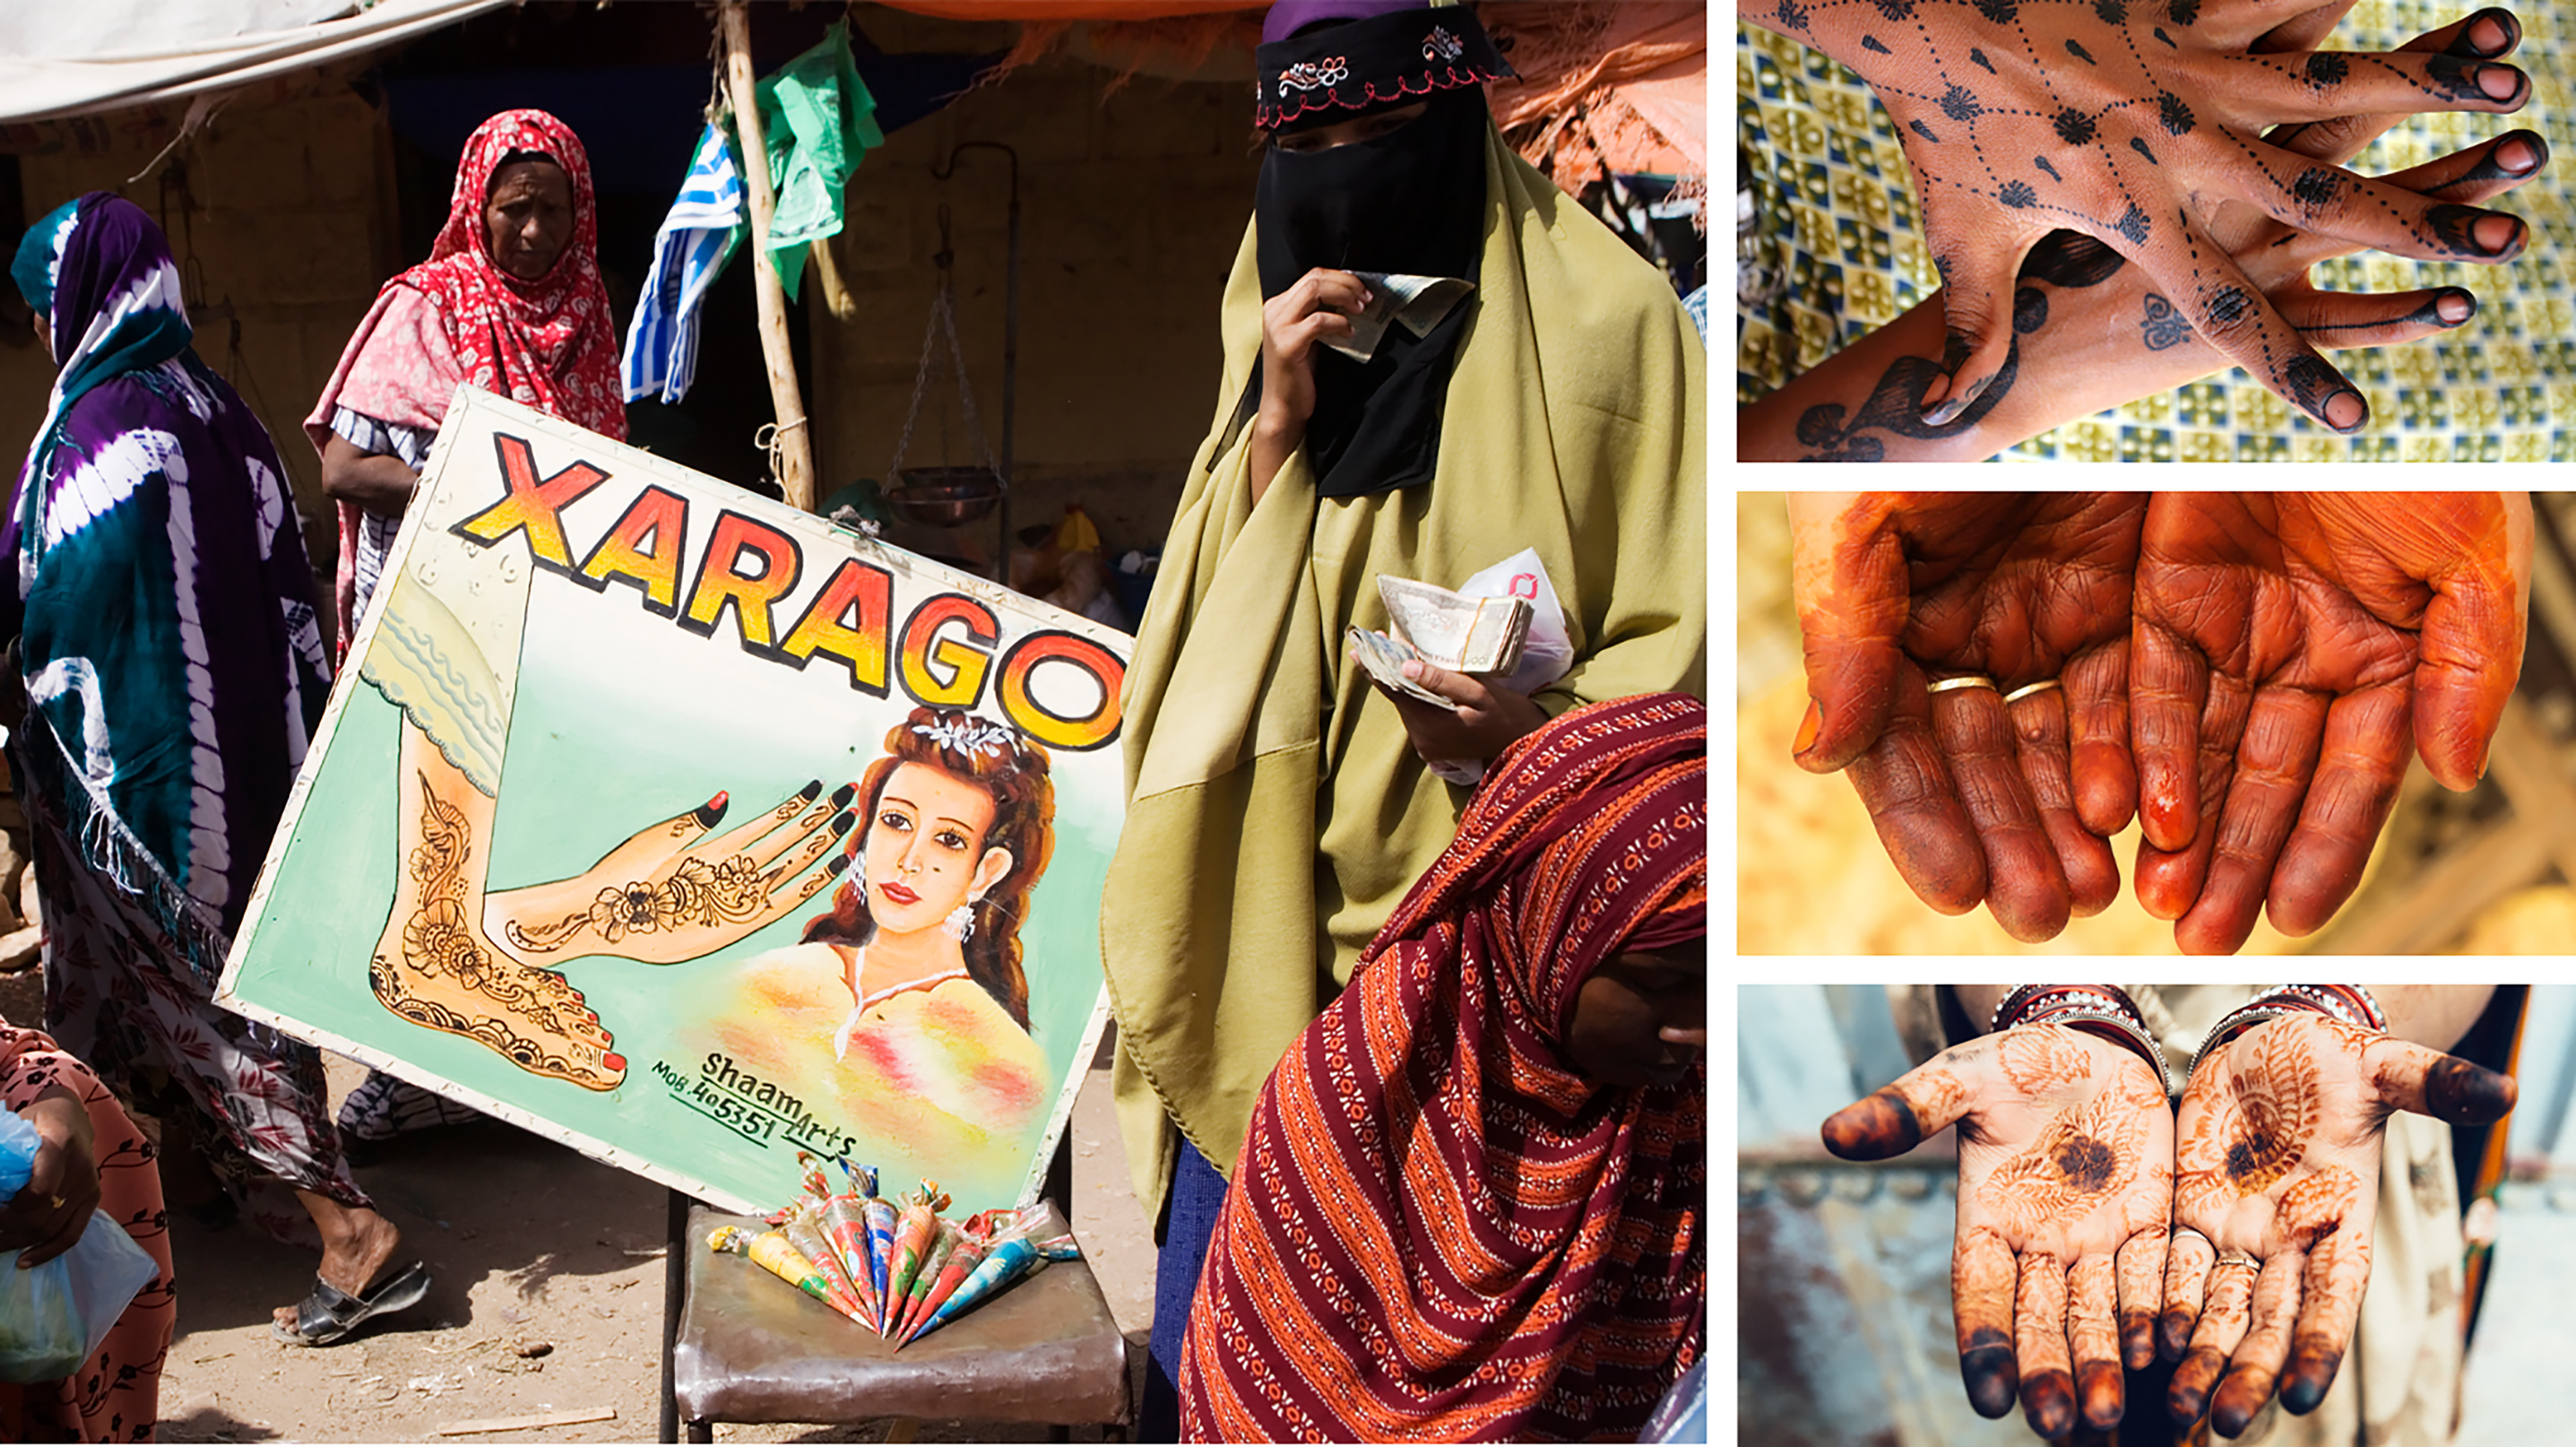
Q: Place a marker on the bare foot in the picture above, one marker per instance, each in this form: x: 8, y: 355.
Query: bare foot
x: 434, y: 967
x: 356, y: 1244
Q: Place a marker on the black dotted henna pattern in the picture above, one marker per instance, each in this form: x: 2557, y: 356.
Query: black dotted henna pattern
x: 2087, y: 183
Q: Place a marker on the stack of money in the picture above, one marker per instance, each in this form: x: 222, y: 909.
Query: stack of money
x: 1433, y: 625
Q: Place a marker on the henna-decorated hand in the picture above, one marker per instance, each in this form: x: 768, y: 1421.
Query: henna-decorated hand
x: 2287, y: 648
x: 674, y: 892
x: 2065, y: 1191
x: 2280, y: 1134
x: 1974, y: 800
x: 2131, y: 121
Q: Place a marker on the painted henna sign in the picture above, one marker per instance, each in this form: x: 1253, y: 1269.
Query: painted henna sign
x: 693, y: 831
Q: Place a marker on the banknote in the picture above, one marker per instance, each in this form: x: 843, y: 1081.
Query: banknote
x: 1416, y: 303
x: 1383, y: 659
x: 1459, y: 633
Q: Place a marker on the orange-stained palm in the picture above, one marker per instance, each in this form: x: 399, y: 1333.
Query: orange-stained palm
x: 2279, y: 1159
x: 1973, y: 800
x: 2065, y: 1189
x: 2287, y: 649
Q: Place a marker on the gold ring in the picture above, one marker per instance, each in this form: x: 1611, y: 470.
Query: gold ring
x: 57, y: 1203
x: 1965, y: 680
x: 2236, y: 1258
x: 2027, y: 689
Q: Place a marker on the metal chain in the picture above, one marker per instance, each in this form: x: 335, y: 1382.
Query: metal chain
x: 943, y: 320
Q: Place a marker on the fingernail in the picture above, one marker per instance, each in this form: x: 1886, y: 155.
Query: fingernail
x: 613, y: 1060
x: 2516, y: 154
x: 842, y: 821
x: 2495, y: 232
x: 1991, y: 1375
x: 2308, y: 1383
x: 1933, y: 394
x: 2345, y: 410
x: 1807, y: 728
x: 2485, y: 36
x: 842, y: 795
x: 839, y: 863
x: 2173, y: 1333
x: 2500, y: 82
x: 810, y: 790
x: 2455, y: 307
x: 2048, y: 1403
x: 713, y: 809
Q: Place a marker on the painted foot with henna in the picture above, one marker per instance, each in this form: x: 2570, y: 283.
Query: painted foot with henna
x: 435, y: 967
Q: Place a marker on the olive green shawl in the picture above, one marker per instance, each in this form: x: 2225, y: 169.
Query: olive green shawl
x: 1276, y: 810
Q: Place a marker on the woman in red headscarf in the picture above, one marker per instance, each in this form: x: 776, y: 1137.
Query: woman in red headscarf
x: 509, y: 300
x: 1469, y: 1204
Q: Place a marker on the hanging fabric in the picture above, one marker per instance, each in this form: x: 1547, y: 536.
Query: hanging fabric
x: 819, y: 122
x: 696, y: 241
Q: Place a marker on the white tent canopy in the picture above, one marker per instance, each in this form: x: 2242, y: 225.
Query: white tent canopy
x: 79, y: 57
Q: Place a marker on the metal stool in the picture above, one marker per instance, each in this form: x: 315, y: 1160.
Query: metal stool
x: 742, y: 1346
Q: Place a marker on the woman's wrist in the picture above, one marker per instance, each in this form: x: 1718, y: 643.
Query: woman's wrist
x: 2102, y: 1011
x: 2351, y: 1005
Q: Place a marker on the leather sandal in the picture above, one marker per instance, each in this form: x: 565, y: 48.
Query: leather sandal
x: 330, y: 1313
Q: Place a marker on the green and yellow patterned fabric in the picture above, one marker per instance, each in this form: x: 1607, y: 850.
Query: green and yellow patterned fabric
x: 1830, y: 247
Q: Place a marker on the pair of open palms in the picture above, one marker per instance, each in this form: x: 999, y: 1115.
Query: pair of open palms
x: 2246, y: 672
x: 2092, y: 1218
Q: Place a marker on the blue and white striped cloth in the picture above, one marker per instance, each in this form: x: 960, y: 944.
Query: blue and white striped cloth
x: 689, y: 253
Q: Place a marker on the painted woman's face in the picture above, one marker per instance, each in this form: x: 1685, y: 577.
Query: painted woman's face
x: 925, y: 853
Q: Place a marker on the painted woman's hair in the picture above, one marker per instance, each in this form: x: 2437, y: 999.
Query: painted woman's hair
x: 1011, y: 769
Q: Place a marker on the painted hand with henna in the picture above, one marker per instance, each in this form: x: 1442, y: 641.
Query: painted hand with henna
x: 2065, y: 1190
x: 1975, y: 799
x: 676, y: 890
x: 2279, y: 1161
x: 2132, y: 121
x: 2290, y: 650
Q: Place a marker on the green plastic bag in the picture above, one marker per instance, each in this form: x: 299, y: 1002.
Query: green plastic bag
x: 819, y: 122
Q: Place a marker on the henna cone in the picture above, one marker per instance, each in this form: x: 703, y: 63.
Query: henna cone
x: 771, y: 1251
x: 944, y: 1243
x: 844, y: 1224
x: 804, y: 1232
x: 972, y: 1241
x: 920, y: 1221
x: 880, y: 1217
x: 1010, y: 1261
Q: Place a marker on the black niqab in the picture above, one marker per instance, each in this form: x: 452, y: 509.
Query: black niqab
x: 1410, y: 201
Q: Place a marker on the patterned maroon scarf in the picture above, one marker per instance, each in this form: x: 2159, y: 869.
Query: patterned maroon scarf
x: 1437, y: 1230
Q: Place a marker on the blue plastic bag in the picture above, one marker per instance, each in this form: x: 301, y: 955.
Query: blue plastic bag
x: 52, y: 1317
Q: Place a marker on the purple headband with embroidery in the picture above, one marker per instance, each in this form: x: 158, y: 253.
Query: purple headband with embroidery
x: 1392, y: 53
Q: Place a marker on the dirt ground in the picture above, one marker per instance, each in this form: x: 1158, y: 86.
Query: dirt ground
x: 547, y: 1297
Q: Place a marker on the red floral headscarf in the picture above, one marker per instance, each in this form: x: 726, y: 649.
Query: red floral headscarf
x: 550, y: 343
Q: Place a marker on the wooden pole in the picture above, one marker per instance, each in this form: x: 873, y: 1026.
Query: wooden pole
x: 795, y: 445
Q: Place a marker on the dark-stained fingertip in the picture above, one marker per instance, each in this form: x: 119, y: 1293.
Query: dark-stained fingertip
x: 2138, y: 1341
x: 2307, y: 1384
x: 1992, y: 1378
x: 2465, y: 1093
x: 1873, y: 1128
x: 2098, y: 1389
x: 2048, y: 1403
x: 2173, y: 1334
